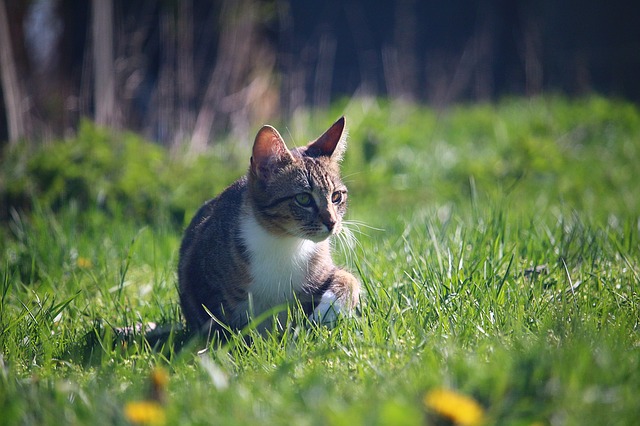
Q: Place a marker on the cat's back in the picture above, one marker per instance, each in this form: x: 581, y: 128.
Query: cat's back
x: 216, y: 215
x: 212, y: 265
x: 211, y: 240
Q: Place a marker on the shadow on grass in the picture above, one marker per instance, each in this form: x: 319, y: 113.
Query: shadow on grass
x: 105, y: 342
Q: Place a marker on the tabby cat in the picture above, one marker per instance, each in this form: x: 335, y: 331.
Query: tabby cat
x: 264, y: 241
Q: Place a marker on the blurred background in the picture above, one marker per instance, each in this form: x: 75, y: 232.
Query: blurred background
x: 181, y: 72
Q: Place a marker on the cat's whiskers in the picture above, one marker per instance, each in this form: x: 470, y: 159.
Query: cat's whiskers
x: 347, y: 179
x: 343, y: 247
x: 357, y: 225
x: 347, y: 242
x: 351, y: 174
x: 293, y: 142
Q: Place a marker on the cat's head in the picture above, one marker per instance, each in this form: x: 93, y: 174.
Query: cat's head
x: 298, y: 192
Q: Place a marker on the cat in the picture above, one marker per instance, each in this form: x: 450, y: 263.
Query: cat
x: 264, y: 242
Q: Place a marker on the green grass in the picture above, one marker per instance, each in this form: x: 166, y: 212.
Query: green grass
x: 461, y: 206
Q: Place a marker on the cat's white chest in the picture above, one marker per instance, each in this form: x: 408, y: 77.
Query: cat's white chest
x: 278, y: 265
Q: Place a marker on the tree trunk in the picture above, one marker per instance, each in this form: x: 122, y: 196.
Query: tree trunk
x: 13, y: 98
x: 104, y: 72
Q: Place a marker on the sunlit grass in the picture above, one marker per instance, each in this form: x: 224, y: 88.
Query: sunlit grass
x: 499, y: 247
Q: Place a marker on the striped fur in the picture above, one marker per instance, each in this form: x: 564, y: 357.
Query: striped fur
x: 264, y: 241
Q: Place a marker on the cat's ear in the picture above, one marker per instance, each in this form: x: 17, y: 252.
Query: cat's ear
x: 269, y: 152
x: 331, y: 144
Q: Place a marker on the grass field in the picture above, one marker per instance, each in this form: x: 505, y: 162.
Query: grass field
x: 500, y: 257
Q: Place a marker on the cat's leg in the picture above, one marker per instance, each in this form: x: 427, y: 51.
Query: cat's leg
x: 340, y: 298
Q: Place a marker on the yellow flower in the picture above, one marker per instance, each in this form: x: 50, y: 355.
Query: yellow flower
x: 458, y: 408
x: 159, y: 377
x: 159, y: 380
x: 84, y: 263
x: 145, y: 413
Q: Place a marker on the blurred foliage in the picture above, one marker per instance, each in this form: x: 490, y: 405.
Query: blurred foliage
x: 119, y: 173
x: 539, y: 153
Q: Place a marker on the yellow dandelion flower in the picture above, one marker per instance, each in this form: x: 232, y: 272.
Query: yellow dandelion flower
x: 159, y: 380
x: 145, y: 413
x: 84, y: 263
x: 458, y: 408
x: 159, y: 377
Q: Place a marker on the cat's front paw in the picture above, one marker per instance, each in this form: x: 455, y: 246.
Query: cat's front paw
x: 341, y: 298
x: 328, y: 310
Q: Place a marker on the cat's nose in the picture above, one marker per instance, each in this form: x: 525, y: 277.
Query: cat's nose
x: 329, y: 221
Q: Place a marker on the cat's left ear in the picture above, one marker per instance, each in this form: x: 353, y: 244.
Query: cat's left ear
x: 269, y: 152
x: 331, y: 144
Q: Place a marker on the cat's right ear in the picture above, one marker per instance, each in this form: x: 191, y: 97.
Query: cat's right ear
x: 269, y: 152
x: 332, y: 143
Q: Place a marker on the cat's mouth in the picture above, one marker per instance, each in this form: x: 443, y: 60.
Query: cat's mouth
x: 321, y: 233
x: 318, y: 238
x: 316, y: 231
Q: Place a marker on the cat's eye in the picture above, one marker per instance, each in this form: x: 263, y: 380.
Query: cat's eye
x: 303, y: 199
x: 336, y: 197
